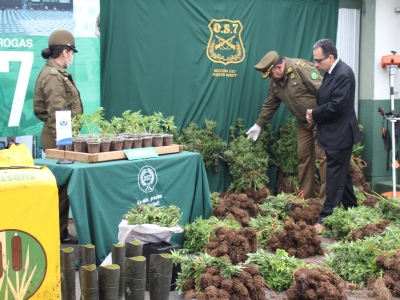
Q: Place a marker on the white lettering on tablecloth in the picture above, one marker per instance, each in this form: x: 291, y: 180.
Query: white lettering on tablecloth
x: 154, y: 200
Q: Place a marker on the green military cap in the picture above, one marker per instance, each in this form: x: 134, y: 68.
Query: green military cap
x: 267, y: 63
x: 62, y: 37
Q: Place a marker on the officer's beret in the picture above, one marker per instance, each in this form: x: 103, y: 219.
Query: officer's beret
x: 267, y: 63
x: 62, y: 38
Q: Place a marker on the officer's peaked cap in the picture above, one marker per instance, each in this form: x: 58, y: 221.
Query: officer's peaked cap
x: 62, y: 37
x: 267, y: 63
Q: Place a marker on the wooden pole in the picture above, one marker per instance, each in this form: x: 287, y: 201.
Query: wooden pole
x: 109, y: 282
x: 89, y: 282
x: 87, y: 256
x: 133, y: 249
x: 135, y: 278
x: 160, y: 275
x: 118, y: 258
x: 68, y: 289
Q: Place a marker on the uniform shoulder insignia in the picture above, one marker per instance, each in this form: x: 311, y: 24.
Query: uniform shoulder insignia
x: 300, y: 63
x: 314, y: 75
x: 53, y: 71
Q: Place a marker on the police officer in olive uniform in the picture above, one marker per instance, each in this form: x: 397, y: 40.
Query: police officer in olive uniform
x: 56, y: 90
x: 294, y: 82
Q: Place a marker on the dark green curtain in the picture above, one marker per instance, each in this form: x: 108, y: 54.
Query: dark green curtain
x: 154, y: 56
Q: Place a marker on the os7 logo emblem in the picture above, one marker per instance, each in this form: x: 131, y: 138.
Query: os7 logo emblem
x: 26, y: 59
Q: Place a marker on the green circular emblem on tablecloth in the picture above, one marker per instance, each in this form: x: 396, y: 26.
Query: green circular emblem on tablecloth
x: 314, y: 75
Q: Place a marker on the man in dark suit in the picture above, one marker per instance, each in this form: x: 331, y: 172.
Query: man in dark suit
x: 337, y: 126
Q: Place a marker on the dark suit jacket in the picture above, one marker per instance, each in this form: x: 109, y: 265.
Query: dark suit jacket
x: 337, y: 125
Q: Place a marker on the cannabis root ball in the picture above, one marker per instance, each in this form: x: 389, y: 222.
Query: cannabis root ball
x: 306, y: 211
x: 317, y: 283
x: 368, y: 230
x: 300, y: 240
x: 248, y: 285
x: 390, y: 263
x: 233, y: 244
x: 358, y: 179
x: 258, y: 196
x: 239, y: 207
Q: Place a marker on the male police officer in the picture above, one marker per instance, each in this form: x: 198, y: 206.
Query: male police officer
x: 294, y: 82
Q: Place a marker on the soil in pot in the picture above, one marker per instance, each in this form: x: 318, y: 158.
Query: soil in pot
x: 168, y: 139
x: 105, y: 145
x: 157, y: 140
x: 80, y: 145
x: 93, y: 147
x: 147, y: 141
x: 127, y: 143
x: 137, y: 142
x: 116, y: 144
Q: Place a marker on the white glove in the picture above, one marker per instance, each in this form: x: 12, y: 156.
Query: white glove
x: 254, y: 132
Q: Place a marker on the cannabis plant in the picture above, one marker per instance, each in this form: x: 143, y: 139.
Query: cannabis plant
x: 356, y: 261
x: 203, y: 141
x: 247, y: 160
x: 341, y: 222
x: 284, y: 152
x: 277, y: 269
x: 199, y: 232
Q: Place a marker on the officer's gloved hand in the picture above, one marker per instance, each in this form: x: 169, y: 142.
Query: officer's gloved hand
x: 254, y: 132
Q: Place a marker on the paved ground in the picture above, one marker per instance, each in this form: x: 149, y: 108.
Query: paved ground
x: 37, y: 23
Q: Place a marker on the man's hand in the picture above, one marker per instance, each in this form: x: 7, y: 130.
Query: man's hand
x: 254, y: 132
x: 309, y: 116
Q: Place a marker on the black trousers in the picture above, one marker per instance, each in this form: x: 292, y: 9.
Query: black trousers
x: 339, y: 185
x: 63, y: 206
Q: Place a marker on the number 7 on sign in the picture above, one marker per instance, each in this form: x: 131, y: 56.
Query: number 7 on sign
x: 26, y: 59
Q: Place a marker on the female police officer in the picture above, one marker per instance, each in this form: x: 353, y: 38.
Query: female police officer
x: 55, y: 90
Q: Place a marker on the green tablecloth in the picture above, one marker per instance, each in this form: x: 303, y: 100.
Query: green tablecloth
x: 101, y: 193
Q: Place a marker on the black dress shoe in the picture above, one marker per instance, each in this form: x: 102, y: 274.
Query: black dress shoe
x: 69, y: 239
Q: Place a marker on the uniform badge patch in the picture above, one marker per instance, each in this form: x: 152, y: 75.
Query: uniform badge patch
x: 314, y: 75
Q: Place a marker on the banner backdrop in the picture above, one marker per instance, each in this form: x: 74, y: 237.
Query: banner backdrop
x: 195, y: 59
x: 24, y: 33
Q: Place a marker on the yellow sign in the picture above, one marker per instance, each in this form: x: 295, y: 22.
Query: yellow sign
x: 29, y: 234
x: 225, y: 45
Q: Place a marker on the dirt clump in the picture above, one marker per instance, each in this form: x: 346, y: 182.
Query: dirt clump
x: 368, y: 230
x: 258, y: 196
x: 316, y: 283
x: 283, y: 184
x: 248, y: 285
x: 306, y: 211
x: 239, y: 207
x: 370, y: 201
x: 233, y: 244
x: 390, y: 264
x: 298, y: 239
x: 358, y: 179
x: 378, y: 289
